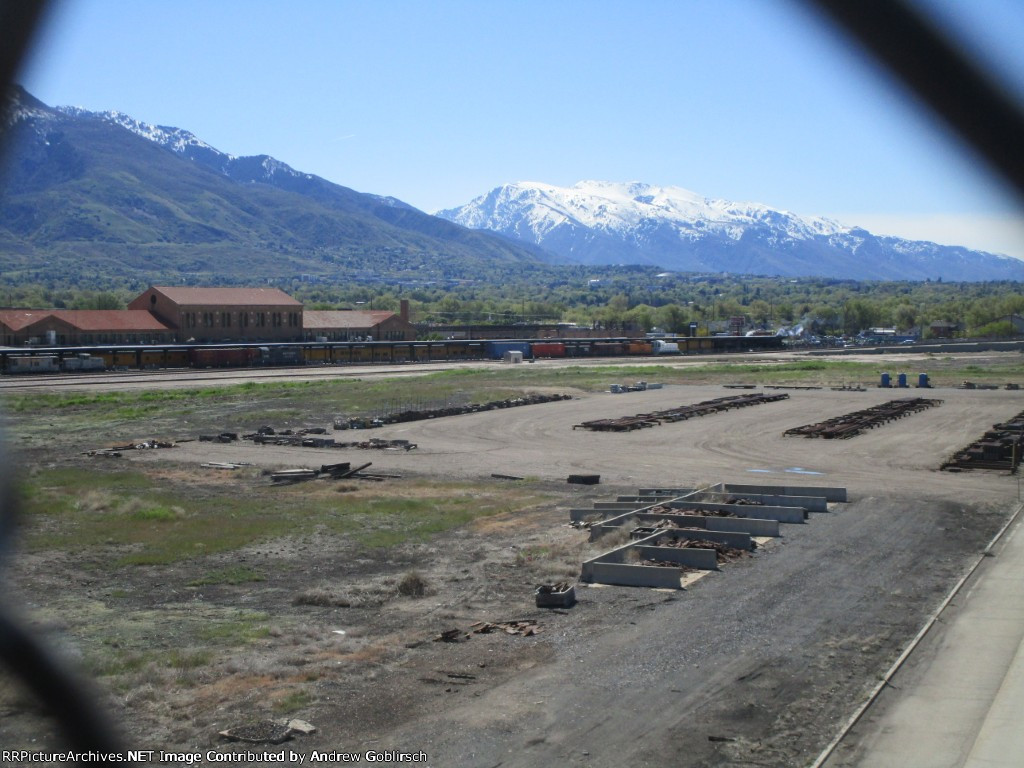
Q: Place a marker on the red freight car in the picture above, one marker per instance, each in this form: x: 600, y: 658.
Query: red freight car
x: 223, y: 358
x: 547, y: 349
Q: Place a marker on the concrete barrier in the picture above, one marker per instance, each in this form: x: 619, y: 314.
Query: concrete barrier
x: 756, y: 511
x: 810, y: 503
x: 666, y: 491
x: 644, y: 499
x: 747, y: 525
x: 831, y: 494
x: 622, y: 505
x: 631, y: 575
x: 704, y: 559
x: 728, y: 524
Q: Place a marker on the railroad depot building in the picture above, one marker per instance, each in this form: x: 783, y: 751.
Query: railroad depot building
x: 81, y: 327
x: 211, y: 314
x: 181, y: 315
x: 358, y: 325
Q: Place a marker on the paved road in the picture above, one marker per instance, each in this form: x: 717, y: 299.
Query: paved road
x: 958, y: 701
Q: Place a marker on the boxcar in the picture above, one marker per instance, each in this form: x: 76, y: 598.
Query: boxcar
x: 200, y: 357
x: 548, y: 349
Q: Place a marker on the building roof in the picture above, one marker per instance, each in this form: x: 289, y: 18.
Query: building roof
x: 110, y: 319
x: 220, y: 296
x: 17, y: 319
x: 344, y: 318
x: 84, y: 319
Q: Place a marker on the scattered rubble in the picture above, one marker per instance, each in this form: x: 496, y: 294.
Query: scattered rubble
x: 116, y: 451
x: 341, y: 471
x: 522, y: 628
x: 724, y: 553
x: 640, y: 386
x: 262, y: 732
x: 560, y: 595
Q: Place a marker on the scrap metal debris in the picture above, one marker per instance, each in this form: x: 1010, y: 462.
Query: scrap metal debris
x: 723, y: 552
x: 402, y: 417
x: 339, y: 471
x: 672, y: 415
x: 522, y: 628
x: 852, y: 424
x: 116, y: 451
x: 999, y: 448
x: 663, y: 510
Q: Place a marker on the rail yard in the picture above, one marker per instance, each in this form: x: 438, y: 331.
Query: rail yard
x: 758, y: 661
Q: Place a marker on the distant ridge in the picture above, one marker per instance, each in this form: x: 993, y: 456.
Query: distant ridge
x: 93, y: 195
x: 601, y: 222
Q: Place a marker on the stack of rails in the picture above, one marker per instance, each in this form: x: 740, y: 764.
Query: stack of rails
x: 1000, y: 448
x: 853, y: 424
x: 681, y: 413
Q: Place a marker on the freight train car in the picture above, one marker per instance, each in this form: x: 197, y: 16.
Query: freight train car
x: 286, y: 355
x: 83, y: 362
x: 214, y: 357
x: 547, y: 349
x: 495, y: 350
x: 33, y: 364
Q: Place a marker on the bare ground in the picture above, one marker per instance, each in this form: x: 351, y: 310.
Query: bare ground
x: 753, y: 665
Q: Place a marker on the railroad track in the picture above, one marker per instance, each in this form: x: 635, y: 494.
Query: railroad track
x: 187, y: 377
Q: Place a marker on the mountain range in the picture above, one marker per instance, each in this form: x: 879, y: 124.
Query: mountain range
x: 93, y: 196
x: 600, y: 222
x: 90, y: 194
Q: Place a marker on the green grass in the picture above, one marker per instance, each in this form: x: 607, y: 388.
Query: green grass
x: 236, y: 574
x: 236, y: 630
x: 82, y: 511
x: 293, y: 702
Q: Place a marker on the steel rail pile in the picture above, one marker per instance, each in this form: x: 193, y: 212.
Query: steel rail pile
x: 852, y: 424
x: 1000, y: 448
x: 401, y: 417
x: 641, y: 420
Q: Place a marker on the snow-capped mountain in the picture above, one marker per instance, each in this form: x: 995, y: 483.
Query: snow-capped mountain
x: 600, y: 222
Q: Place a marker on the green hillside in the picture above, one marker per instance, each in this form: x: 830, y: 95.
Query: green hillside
x: 87, y: 201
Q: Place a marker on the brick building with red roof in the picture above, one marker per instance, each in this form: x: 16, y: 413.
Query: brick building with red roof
x: 81, y: 327
x: 355, y: 325
x: 211, y: 314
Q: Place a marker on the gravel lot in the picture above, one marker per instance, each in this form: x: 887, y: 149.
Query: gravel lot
x: 756, y: 664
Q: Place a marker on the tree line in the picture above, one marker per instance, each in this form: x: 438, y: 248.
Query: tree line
x: 623, y: 297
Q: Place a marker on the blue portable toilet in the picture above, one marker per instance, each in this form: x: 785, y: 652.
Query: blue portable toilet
x: 885, y: 381
x: 922, y: 381
x: 901, y: 381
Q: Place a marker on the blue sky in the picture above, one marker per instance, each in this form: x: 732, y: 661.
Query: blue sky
x: 438, y: 102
